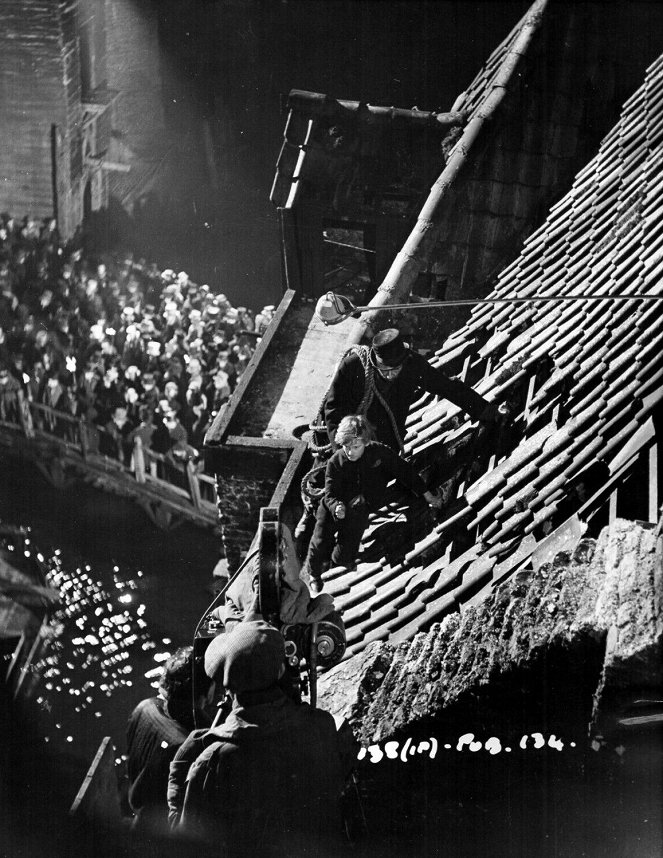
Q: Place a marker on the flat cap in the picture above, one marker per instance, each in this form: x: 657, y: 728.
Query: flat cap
x: 248, y: 658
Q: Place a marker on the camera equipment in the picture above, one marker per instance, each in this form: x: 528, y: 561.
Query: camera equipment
x: 308, y: 646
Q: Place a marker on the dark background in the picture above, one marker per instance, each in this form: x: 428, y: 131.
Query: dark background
x: 227, y: 69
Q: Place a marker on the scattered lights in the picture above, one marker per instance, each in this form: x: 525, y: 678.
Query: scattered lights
x: 126, y: 598
x: 155, y: 671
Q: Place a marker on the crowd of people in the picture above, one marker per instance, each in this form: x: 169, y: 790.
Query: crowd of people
x: 132, y: 349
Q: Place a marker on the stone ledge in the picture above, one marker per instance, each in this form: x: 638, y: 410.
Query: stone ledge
x: 602, y: 604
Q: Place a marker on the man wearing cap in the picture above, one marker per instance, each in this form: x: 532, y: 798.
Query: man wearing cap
x: 269, y: 779
x: 382, y: 382
x: 156, y: 729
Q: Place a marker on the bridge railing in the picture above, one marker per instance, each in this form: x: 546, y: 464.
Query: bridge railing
x: 92, y: 444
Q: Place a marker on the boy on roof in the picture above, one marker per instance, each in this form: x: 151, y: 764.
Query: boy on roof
x: 355, y: 485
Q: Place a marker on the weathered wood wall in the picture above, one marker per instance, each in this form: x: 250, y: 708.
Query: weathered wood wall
x: 37, y: 92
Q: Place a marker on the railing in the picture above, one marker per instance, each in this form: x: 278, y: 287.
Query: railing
x: 86, y: 443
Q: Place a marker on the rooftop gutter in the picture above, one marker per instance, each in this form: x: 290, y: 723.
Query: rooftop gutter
x: 408, y: 263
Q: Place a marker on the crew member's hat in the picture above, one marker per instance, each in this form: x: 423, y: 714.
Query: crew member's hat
x: 249, y: 658
x: 389, y: 348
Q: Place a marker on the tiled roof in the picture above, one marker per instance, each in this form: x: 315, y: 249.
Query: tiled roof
x: 472, y: 100
x: 583, y: 378
x: 562, y: 609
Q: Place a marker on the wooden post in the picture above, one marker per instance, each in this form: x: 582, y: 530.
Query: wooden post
x: 290, y: 268
x: 98, y: 798
x: 82, y: 434
x: 653, y: 483
x: 25, y: 415
x: 612, y: 506
x: 194, y: 488
x: 139, y: 461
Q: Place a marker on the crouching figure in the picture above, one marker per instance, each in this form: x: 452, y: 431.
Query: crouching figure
x: 355, y: 485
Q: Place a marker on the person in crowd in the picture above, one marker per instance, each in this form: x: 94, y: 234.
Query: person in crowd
x: 151, y: 394
x: 9, y: 396
x: 197, y: 416
x: 161, y: 440
x: 269, y: 778
x: 156, y: 729
x: 355, y: 484
x: 145, y: 428
x: 131, y: 404
x: 264, y: 318
x: 220, y: 391
x: 114, y: 442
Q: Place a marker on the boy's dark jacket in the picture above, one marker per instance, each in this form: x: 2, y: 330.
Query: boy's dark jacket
x: 368, y: 476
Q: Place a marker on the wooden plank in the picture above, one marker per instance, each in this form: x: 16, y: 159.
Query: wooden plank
x: 291, y: 269
x: 98, y: 796
x: 194, y: 488
x: 653, y: 483
x: 216, y: 434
